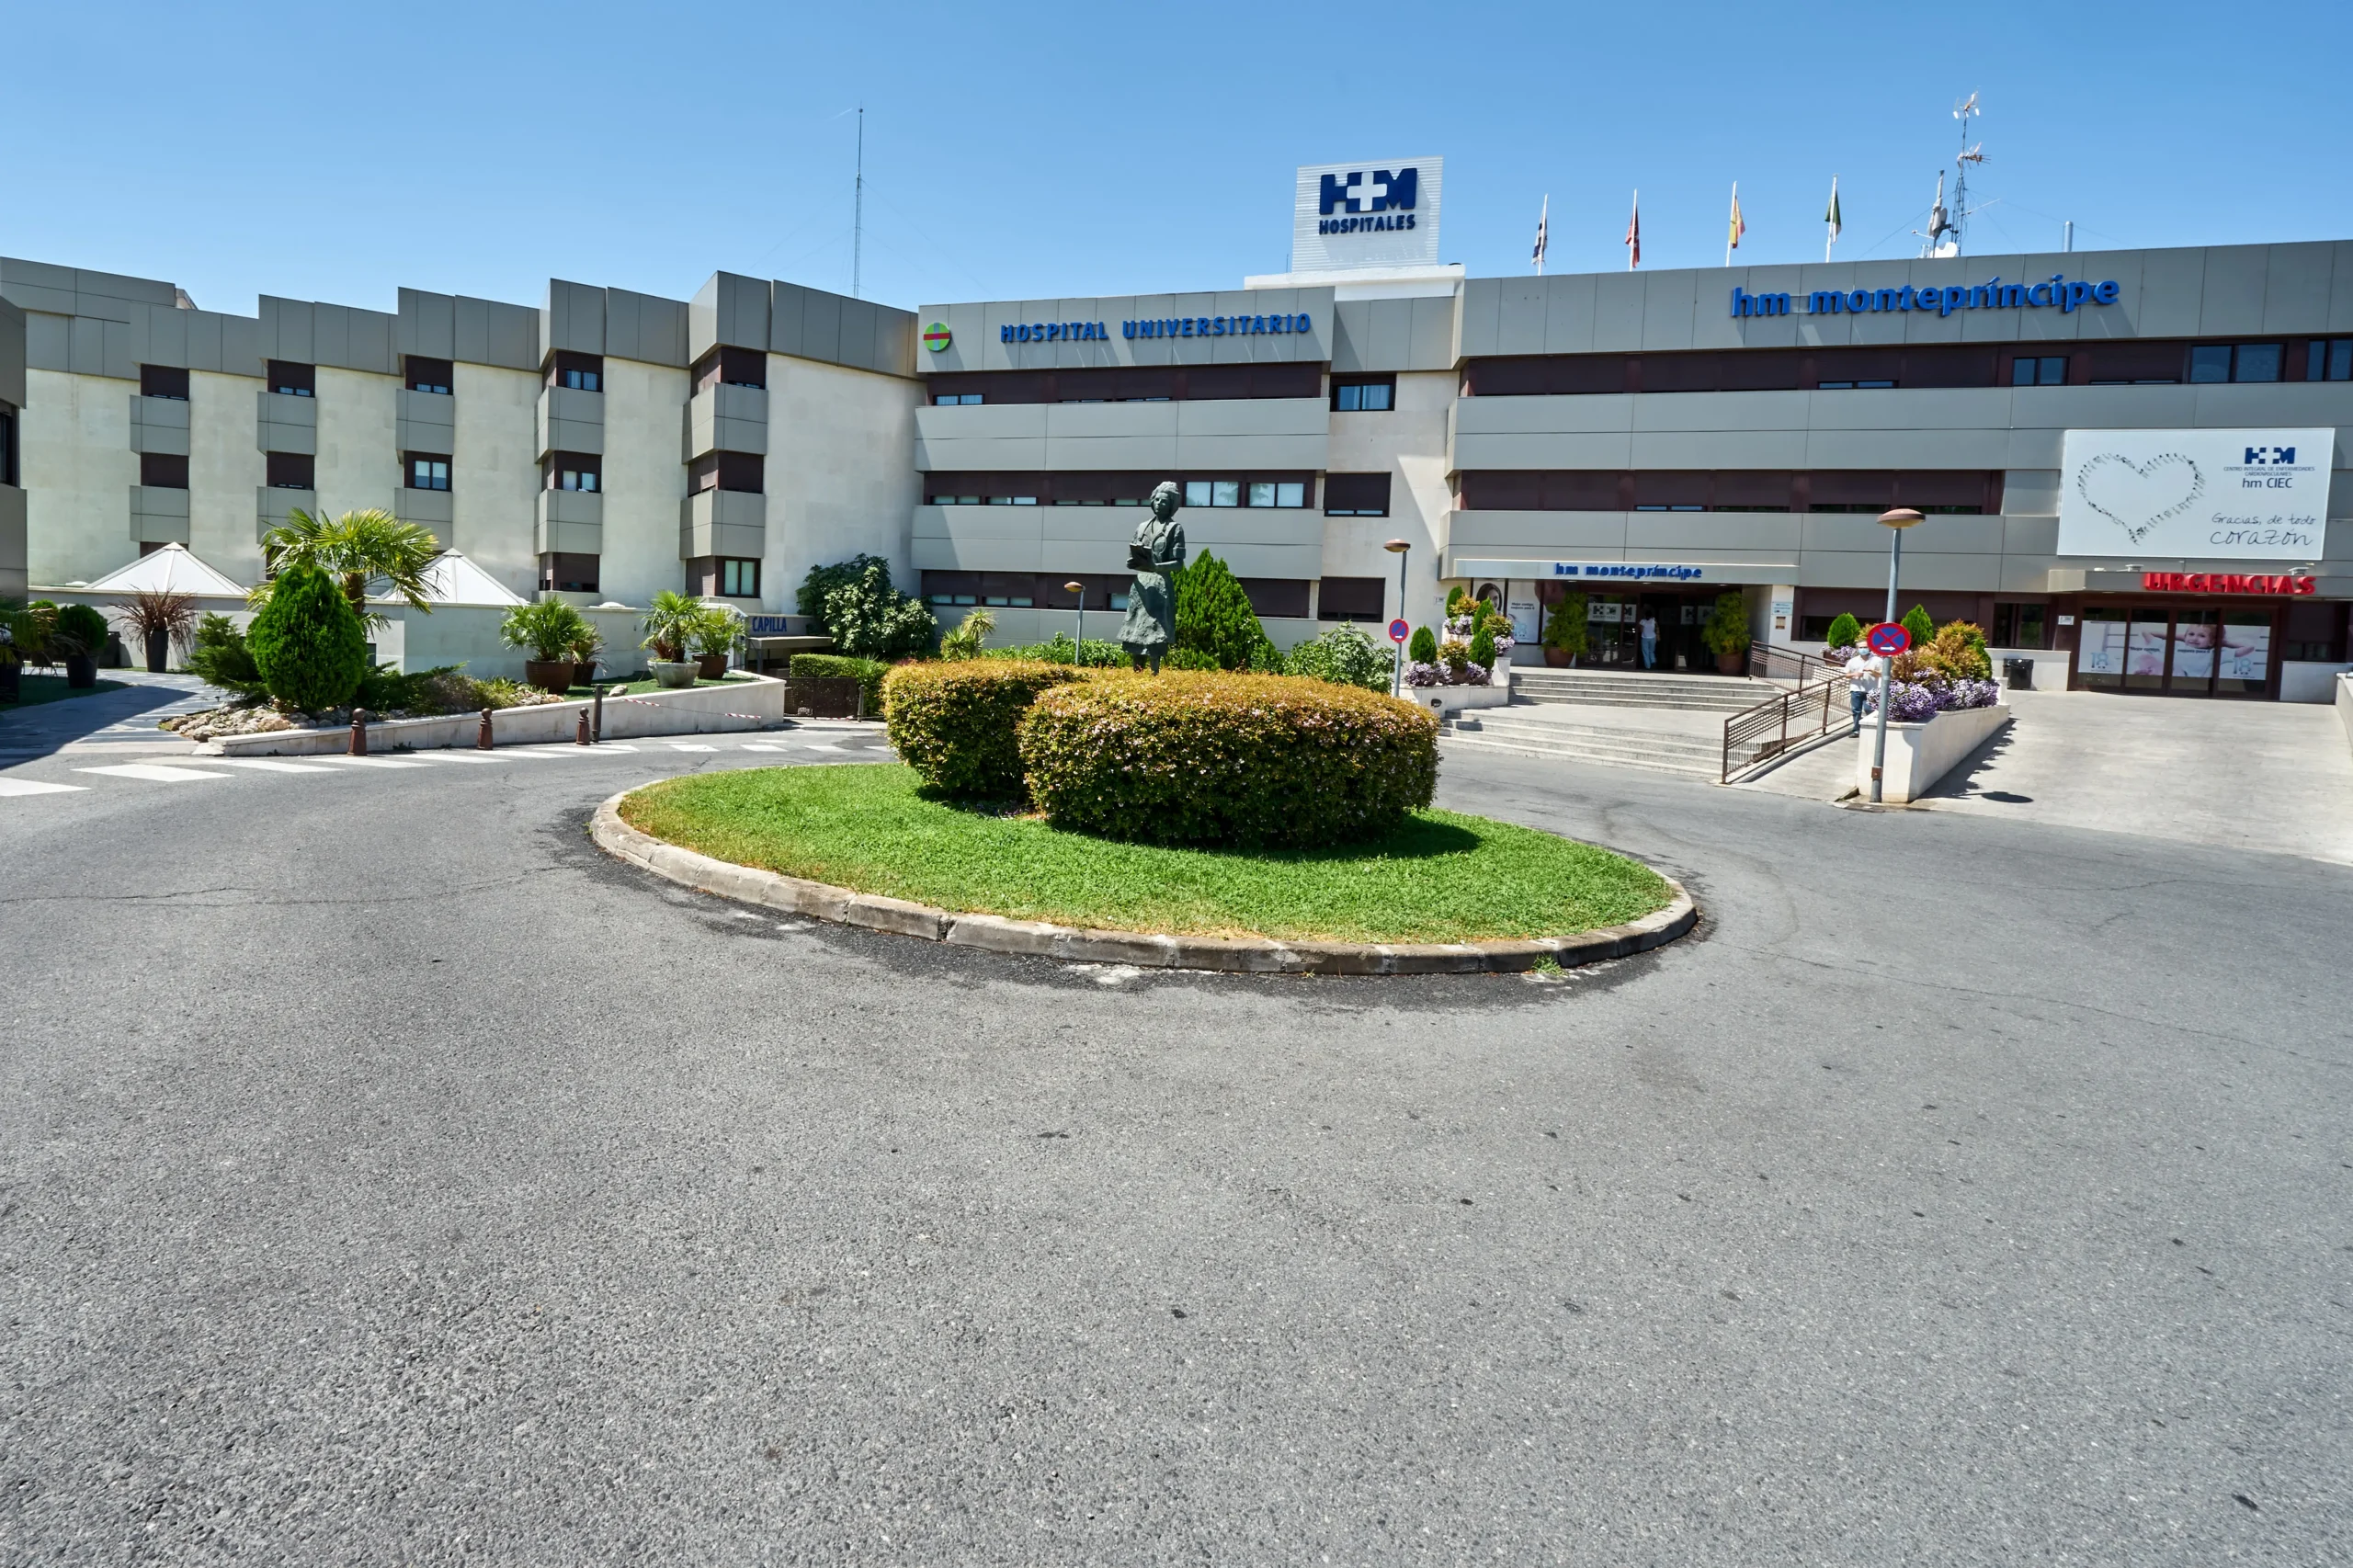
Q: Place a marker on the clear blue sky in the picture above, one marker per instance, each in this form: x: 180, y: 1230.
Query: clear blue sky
x: 335, y: 152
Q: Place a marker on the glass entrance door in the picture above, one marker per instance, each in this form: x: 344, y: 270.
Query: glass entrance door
x: 2185, y: 650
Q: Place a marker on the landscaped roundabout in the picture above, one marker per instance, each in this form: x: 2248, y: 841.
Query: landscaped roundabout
x: 1191, y: 821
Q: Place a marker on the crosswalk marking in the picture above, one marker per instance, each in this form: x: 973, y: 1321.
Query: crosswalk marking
x: 154, y: 773
x: 683, y: 746
x: 454, y: 756
x: 373, y: 762
x: 760, y: 745
x: 271, y: 765
x: 36, y: 786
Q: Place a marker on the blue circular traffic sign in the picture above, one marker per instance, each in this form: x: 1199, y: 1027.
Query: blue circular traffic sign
x: 1399, y: 631
x: 1887, y: 639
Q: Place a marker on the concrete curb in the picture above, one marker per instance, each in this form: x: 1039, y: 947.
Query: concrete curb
x: 990, y: 933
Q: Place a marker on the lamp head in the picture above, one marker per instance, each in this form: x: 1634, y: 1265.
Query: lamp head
x: 1074, y: 587
x: 1398, y: 546
x: 1902, y: 518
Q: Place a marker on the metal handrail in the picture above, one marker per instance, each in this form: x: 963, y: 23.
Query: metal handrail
x: 1767, y: 661
x: 1769, y: 726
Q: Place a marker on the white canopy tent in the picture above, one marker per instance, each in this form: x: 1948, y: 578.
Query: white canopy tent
x: 171, y: 569
x: 451, y: 579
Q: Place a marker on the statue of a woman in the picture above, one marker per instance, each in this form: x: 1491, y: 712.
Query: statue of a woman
x: 1158, y: 550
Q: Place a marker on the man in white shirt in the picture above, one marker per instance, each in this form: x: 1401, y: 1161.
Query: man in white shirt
x: 1860, y: 671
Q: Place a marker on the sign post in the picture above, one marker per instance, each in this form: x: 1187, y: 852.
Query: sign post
x: 1398, y: 630
x: 1895, y: 522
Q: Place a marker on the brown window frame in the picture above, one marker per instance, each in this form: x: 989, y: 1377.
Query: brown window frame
x: 162, y: 471
x: 291, y: 471
x: 560, y: 573
x: 292, y: 378
x: 164, y: 381
x: 422, y: 373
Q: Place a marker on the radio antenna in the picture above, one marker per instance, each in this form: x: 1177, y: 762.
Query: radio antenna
x: 858, y: 212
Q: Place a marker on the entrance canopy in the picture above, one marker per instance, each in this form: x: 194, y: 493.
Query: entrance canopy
x: 170, y: 569
x: 451, y: 579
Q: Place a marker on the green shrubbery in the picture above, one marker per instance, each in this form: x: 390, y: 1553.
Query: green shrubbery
x: 549, y: 628
x: 79, y: 629
x: 220, y: 658
x: 1921, y: 625
x: 1725, y: 631
x: 1845, y: 632
x: 956, y: 722
x: 1247, y: 760
x: 307, y: 642
x: 1422, y: 649
x: 868, y: 673
x: 865, y: 616
x: 1344, y: 656
x: 1214, y: 618
x: 1569, y: 629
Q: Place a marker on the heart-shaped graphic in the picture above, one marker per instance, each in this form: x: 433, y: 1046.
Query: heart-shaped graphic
x: 2136, y: 497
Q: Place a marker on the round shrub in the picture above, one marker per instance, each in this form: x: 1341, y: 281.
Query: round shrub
x: 1247, y: 760
x: 307, y: 642
x: 954, y: 720
x: 81, y: 630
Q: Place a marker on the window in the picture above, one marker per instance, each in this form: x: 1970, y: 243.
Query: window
x: 1281, y: 596
x: 1356, y: 494
x: 742, y: 472
x: 2315, y: 632
x: 2039, y: 371
x: 1860, y: 490
x: 575, y: 471
x: 739, y: 579
x: 292, y: 380
x: 2211, y: 362
x: 1363, y: 394
x: 171, y: 382
x: 580, y: 372
x: 732, y: 367
x: 1128, y: 383
x: 292, y: 471
x: 2329, y: 359
x: 7, y: 445
x: 162, y: 471
x: 955, y: 500
x: 956, y: 400
x: 2021, y: 626
x: 568, y: 574
x: 1350, y: 599
x: 426, y: 375
x: 1013, y: 500
x: 428, y: 471
x: 1079, y: 488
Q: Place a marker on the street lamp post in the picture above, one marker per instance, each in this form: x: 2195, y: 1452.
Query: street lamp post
x: 1895, y: 522
x: 1078, y: 655
x: 1400, y: 549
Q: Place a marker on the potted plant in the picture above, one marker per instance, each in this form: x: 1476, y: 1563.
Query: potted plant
x: 81, y: 632
x: 1567, y: 632
x: 716, y: 634
x: 159, y: 619
x: 670, y: 621
x: 1726, y: 632
x: 548, y: 629
x: 586, y: 646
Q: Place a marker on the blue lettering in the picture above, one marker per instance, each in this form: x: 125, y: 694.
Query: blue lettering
x: 2077, y: 293
x: 2038, y: 294
x: 1005, y: 333
x: 2105, y: 293
x: 1188, y: 326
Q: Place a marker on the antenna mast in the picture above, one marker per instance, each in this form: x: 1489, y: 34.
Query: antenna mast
x: 1944, y: 233
x: 858, y: 212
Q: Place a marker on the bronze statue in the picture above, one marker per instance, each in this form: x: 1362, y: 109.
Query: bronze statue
x: 1158, y: 551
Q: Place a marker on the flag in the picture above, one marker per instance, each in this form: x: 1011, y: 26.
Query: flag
x: 1634, y: 235
x: 1832, y: 217
x: 1543, y: 220
x: 1737, y: 228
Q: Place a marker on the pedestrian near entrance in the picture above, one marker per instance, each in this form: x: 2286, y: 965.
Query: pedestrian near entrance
x: 1650, y: 641
x: 1860, y: 670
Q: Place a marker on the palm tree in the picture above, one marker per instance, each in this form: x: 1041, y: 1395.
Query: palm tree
x: 359, y: 549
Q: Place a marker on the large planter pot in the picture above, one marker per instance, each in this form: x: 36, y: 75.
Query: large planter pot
x: 584, y: 674
x: 551, y: 675
x: 159, y: 650
x: 1559, y: 658
x: 1731, y: 663
x: 80, y: 670
x: 711, y: 666
x: 673, y: 674
x: 12, y: 687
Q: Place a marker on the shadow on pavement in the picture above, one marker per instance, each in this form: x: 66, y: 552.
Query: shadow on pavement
x: 127, y: 717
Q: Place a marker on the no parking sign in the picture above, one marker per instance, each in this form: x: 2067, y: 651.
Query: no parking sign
x: 1887, y: 639
x: 1399, y: 631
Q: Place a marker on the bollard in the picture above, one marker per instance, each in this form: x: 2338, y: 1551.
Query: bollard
x: 482, y: 736
x: 360, y: 732
x: 599, y: 726
x: 580, y: 731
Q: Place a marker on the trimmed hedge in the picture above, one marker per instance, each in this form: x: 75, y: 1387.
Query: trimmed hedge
x: 868, y: 673
x: 307, y: 641
x: 1241, y: 759
x: 955, y: 721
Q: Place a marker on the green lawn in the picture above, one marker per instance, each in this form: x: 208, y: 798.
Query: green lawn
x: 640, y: 688
x: 1442, y: 878
x: 37, y: 689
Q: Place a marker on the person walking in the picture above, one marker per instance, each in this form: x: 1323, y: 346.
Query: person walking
x: 1860, y: 671
x: 1650, y: 641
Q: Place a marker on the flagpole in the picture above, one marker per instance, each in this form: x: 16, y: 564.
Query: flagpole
x: 1731, y: 238
x: 1634, y: 232
x: 1830, y: 218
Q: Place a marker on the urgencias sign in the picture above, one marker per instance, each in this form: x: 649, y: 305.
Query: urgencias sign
x: 2223, y: 583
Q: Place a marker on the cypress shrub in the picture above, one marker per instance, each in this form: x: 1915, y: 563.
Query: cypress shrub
x: 1482, y: 646
x: 1214, y: 617
x: 1923, y: 627
x: 1845, y: 632
x: 307, y: 642
x: 80, y: 630
x: 1247, y: 760
x: 955, y: 721
x: 1422, y: 648
x: 868, y: 673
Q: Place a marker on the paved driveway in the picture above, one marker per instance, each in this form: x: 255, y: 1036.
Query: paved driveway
x: 385, y: 1177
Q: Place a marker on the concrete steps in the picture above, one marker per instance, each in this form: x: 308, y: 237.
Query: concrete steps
x: 1714, y: 694
x: 1688, y: 756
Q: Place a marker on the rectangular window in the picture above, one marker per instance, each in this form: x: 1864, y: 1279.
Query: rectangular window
x: 293, y: 379
x: 739, y: 579
x: 581, y: 372
x: 292, y: 471
x: 1350, y: 599
x: 1226, y: 493
x: 956, y: 400
x: 1261, y: 494
x: 426, y: 375
x: 2209, y: 362
x: 1356, y: 494
x: 1290, y: 495
x: 732, y: 367
x: 575, y: 471
x: 568, y: 574
x: 171, y: 382
x: 2039, y: 371
x: 2257, y: 362
x: 1197, y: 492
x: 1363, y: 394
x: 7, y: 445
x: 2021, y: 626
x: 742, y: 471
x: 2330, y: 360
x: 1281, y: 596
x: 162, y: 471
x: 428, y: 471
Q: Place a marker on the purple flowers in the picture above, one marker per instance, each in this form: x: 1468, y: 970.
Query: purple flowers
x: 1912, y: 702
x: 1448, y: 674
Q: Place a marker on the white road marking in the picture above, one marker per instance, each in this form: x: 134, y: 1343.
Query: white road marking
x: 36, y: 786
x: 682, y: 746
x: 271, y: 765
x: 152, y: 773
x: 450, y: 756
x: 761, y: 746
x: 373, y: 762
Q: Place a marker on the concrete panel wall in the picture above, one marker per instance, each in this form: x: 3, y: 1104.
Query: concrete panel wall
x: 726, y: 419
x: 158, y: 516
x: 14, y: 579
x: 977, y: 344
x: 427, y: 422
x: 78, y: 470
x: 643, y: 479
x: 359, y: 459
x: 493, y: 463
x: 284, y: 423
x: 159, y: 425
x: 838, y: 483
x: 570, y: 420
x: 12, y: 355
x: 225, y: 468
x: 571, y: 521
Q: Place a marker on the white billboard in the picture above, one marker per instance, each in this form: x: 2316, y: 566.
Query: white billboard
x: 1352, y: 217
x: 2195, y: 494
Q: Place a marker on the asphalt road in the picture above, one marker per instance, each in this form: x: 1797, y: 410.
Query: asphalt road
x: 387, y: 1177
